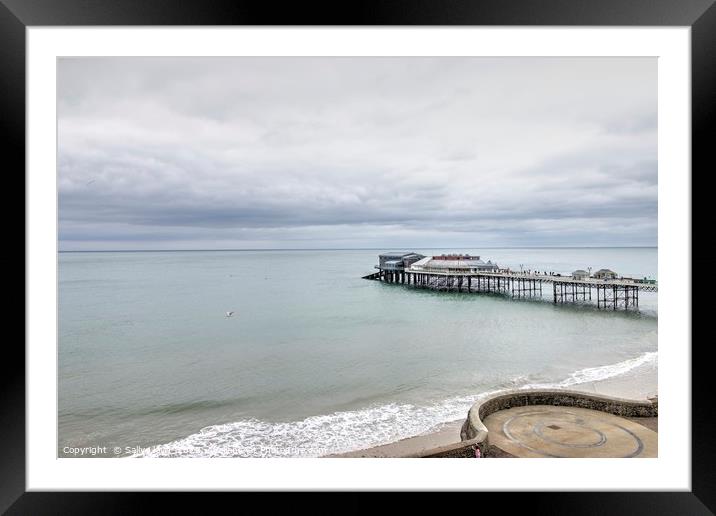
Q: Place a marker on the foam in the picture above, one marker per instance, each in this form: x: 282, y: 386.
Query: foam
x: 595, y: 374
x: 351, y: 430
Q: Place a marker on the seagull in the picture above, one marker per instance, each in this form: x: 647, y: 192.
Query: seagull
x: 229, y: 314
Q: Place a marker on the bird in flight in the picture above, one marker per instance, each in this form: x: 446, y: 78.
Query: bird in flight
x: 229, y: 314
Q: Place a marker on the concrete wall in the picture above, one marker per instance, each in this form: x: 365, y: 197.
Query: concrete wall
x: 474, y: 429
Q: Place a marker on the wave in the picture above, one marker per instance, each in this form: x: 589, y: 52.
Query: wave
x: 346, y: 431
x: 595, y: 374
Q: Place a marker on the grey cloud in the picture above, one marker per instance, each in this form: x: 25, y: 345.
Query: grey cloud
x: 372, y: 152
x: 638, y: 122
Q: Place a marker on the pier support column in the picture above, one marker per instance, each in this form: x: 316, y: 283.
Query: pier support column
x: 614, y: 289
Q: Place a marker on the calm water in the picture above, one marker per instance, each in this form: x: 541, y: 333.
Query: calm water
x: 315, y: 360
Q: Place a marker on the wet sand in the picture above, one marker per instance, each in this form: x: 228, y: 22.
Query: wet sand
x: 448, y: 433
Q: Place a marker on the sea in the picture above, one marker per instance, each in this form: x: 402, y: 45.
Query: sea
x: 314, y: 360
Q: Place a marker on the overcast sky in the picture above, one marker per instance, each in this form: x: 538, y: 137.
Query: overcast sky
x: 216, y: 153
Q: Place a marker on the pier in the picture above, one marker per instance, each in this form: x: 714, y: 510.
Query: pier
x: 463, y: 273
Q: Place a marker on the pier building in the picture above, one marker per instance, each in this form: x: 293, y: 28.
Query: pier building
x: 605, y: 274
x: 580, y: 274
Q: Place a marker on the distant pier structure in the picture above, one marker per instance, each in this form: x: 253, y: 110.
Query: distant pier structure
x: 392, y: 266
x: 466, y: 273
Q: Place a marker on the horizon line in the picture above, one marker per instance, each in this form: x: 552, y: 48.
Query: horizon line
x: 349, y: 248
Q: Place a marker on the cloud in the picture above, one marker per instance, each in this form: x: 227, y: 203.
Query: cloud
x: 371, y: 152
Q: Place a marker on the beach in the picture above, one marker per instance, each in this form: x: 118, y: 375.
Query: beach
x: 639, y: 384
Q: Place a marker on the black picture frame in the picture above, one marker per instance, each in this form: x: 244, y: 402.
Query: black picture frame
x: 699, y: 15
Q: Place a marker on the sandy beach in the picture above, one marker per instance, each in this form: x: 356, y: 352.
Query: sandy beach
x: 638, y: 384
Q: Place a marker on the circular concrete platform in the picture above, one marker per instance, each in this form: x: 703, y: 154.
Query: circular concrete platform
x: 554, y: 431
